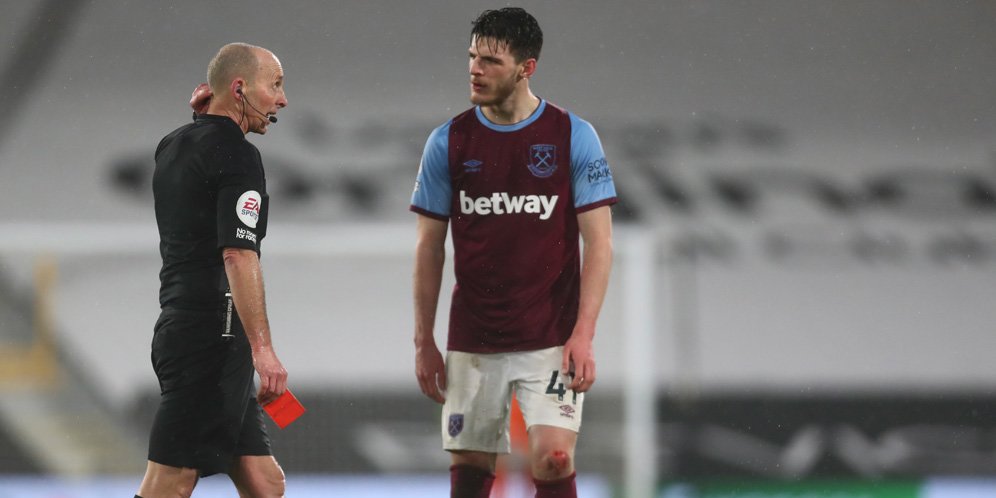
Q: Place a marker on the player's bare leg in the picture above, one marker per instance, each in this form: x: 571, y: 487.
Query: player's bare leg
x: 551, y: 458
x: 163, y: 481
x: 258, y: 477
x: 472, y: 474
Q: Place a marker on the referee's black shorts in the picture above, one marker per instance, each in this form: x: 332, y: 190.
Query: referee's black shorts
x: 208, y: 414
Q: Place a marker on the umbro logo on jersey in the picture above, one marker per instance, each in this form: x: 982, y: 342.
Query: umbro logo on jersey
x: 472, y: 166
x: 502, y: 203
x: 247, y: 208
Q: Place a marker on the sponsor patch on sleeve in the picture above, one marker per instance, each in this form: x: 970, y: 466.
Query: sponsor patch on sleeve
x: 598, y: 171
x: 247, y: 208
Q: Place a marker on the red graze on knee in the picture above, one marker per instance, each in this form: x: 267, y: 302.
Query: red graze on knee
x: 557, y: 461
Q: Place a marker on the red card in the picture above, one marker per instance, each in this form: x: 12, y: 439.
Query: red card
x: 284, y: 409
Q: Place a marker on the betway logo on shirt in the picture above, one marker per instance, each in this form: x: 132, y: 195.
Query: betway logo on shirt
x: 502, y: 203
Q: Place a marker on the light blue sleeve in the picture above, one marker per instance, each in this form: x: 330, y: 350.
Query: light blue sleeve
x: 433, y: 191
x: 591, y: 177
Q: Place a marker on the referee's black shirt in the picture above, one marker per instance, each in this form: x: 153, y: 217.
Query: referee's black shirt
x: 210, y: 193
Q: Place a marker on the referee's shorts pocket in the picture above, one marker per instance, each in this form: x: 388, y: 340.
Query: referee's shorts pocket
x: 186, y: 348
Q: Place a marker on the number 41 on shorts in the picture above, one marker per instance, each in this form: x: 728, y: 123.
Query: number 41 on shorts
x: 559, y: 390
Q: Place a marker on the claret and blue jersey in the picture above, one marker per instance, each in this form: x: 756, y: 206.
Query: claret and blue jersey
x: 511, y: 194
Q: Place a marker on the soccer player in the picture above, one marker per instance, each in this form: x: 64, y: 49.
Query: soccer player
x: 212, y: 334
x: 518, y: 179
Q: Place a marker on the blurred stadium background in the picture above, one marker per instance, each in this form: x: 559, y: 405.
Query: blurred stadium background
x: 802, y: 301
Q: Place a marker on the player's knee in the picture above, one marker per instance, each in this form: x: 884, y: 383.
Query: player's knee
x: 553, y: 464
x: 484, y: 461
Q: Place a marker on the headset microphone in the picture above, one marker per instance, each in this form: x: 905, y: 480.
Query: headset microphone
x: 271, y: 118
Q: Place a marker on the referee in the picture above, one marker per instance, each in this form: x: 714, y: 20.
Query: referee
x: 211, y: 208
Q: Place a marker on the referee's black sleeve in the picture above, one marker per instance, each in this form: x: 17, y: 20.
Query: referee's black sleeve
x: 242, y: 199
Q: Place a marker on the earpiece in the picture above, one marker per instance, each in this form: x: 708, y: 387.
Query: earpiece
x: 269, y: 117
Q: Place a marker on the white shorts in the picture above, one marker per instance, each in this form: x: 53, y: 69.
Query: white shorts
x: 478, y: 397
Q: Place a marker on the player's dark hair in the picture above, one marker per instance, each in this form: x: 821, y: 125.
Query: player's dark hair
x: 512, y: 26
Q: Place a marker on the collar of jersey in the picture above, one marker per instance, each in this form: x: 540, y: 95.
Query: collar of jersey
x: 214, y: 118
x: 510, y: 127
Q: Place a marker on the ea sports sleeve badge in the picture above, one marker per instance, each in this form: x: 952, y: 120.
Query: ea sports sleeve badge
x: 247, y: 211
x: 247, y: 208
x: 242, y: 215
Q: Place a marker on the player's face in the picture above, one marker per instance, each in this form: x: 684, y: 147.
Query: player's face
x: 494, y: 73
x: 267, y: 92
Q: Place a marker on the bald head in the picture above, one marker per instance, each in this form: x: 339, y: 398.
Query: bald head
x: 247, y: 85
x: 235, y: 60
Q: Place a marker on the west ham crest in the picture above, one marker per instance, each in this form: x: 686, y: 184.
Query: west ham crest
x: 456, y: 424
x: 542, y: 160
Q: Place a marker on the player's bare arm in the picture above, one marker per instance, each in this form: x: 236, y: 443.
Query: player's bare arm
x: 430, y: 254
x: 596, y: 233
x: 245, y: 276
